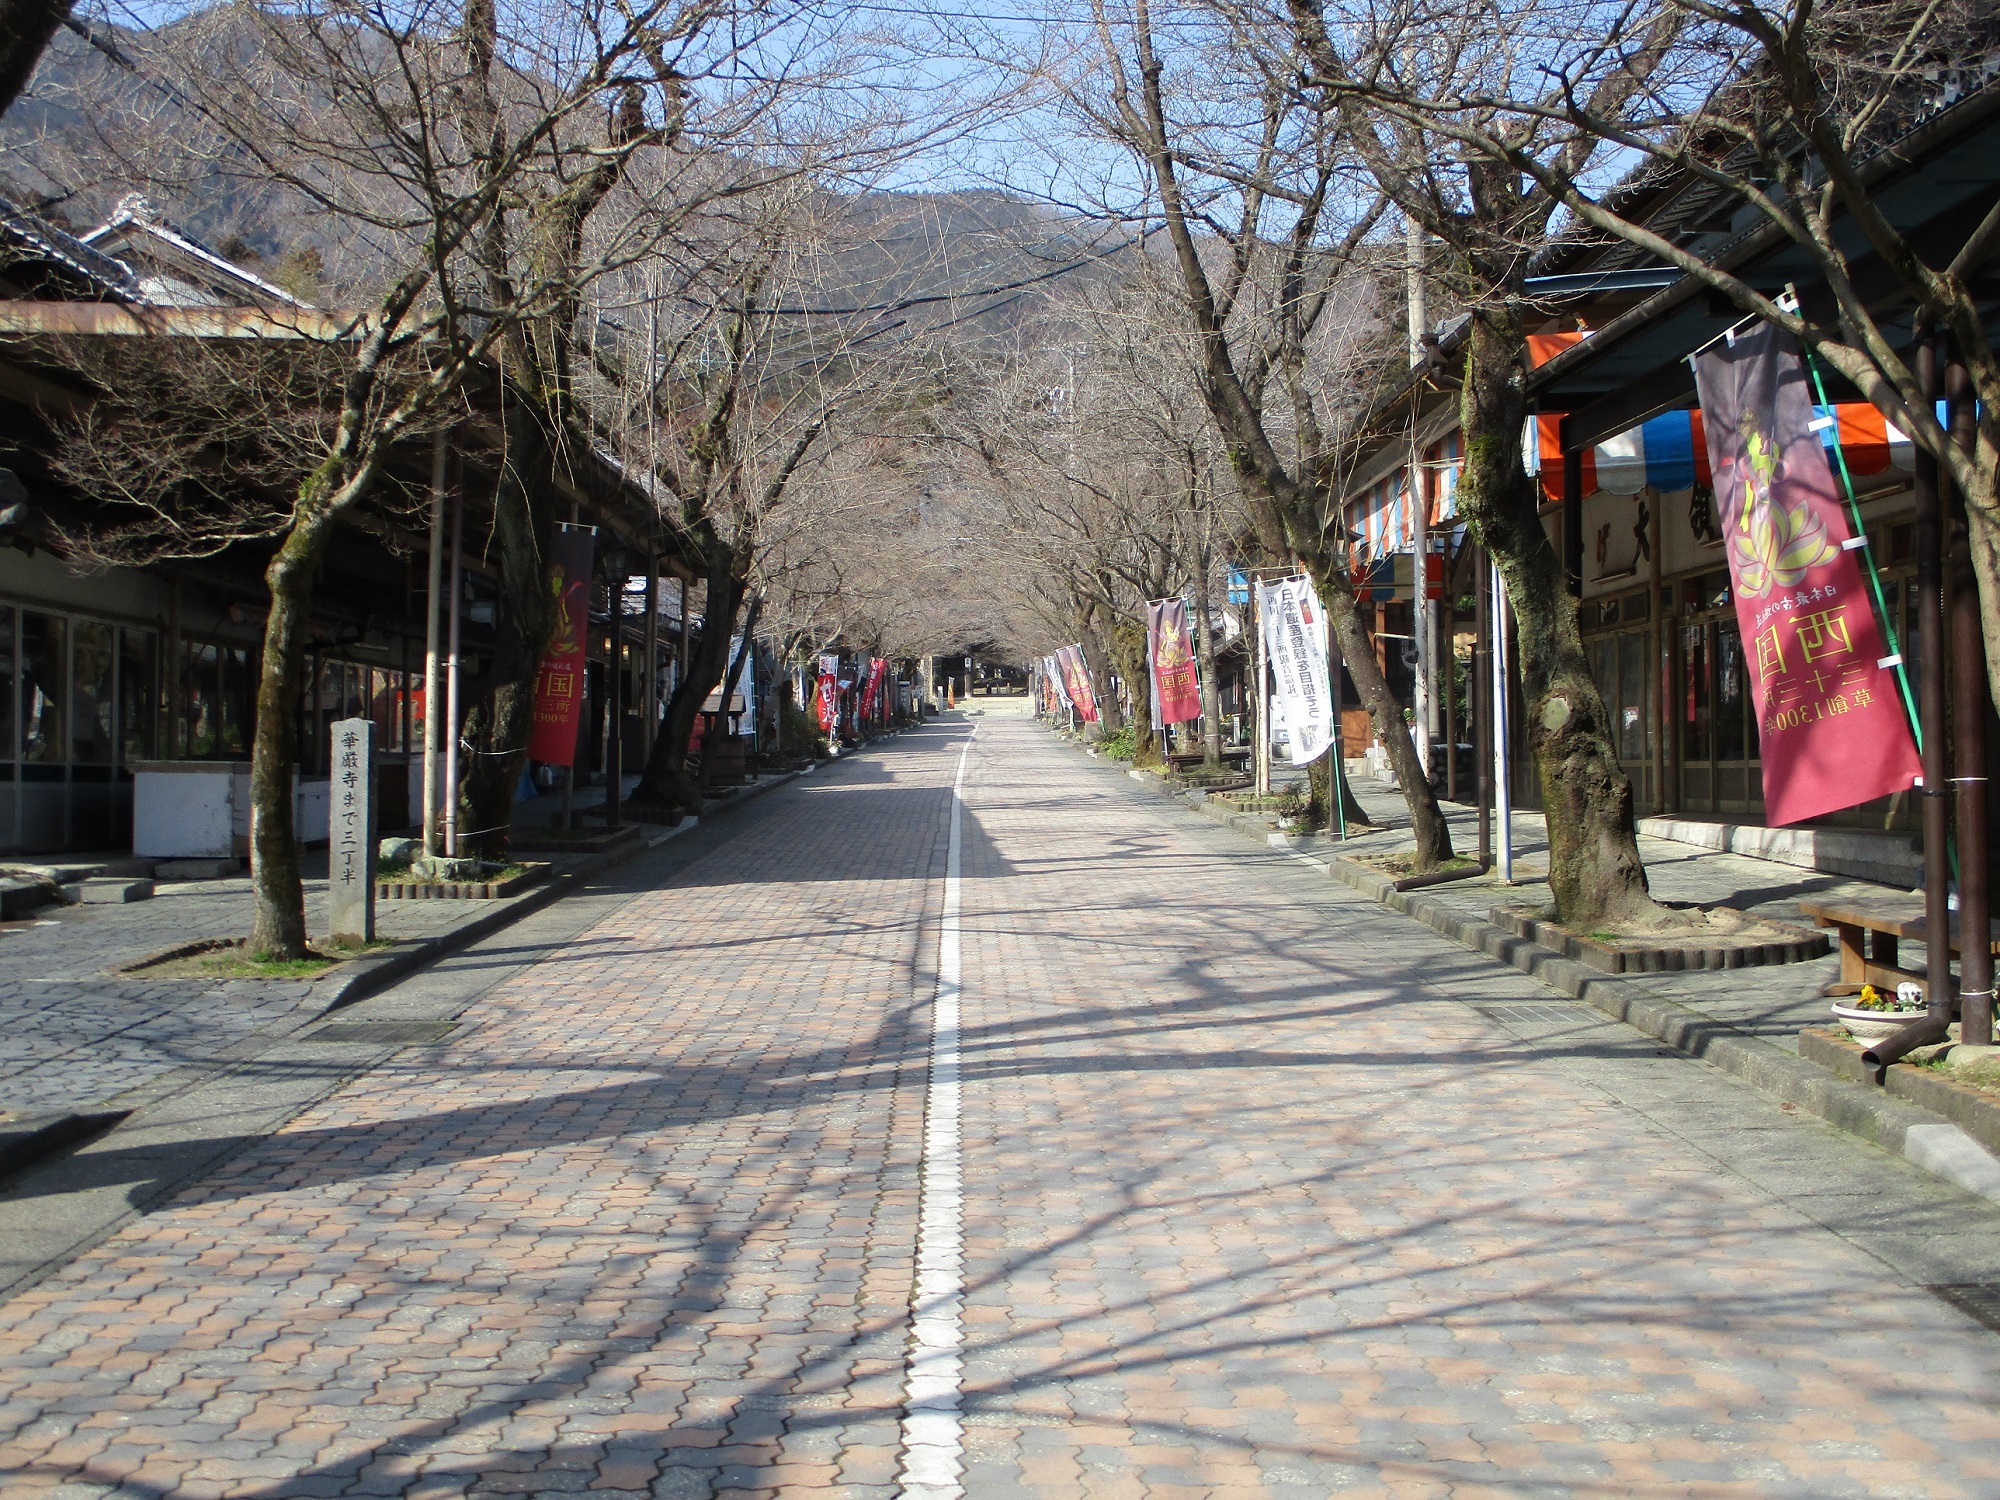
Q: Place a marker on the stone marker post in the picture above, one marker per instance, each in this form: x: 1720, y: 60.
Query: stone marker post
x: 351, y: 849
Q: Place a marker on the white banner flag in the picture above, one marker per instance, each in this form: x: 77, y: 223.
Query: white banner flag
x: 1295, y: 635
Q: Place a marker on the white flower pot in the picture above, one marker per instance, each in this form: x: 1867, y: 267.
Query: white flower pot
x: 1870, y: 1026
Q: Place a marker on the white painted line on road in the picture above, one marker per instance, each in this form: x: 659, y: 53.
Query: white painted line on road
x: 932, y: 1431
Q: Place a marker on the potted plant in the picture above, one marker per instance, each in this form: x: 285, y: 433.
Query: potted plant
x: 1873, y: 1015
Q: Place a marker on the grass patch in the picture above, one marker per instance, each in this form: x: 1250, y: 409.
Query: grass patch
x: 234, y: 961
x: 1402, y: 866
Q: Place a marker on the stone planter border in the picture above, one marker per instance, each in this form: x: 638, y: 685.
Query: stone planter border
x: 460, y: 890
x: 1609, y: 959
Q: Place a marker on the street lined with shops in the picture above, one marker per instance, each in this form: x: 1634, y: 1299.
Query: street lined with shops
x: 1260, y: 1189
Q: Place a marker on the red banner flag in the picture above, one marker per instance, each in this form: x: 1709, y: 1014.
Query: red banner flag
x: 877, y: 671
x: 1832, y: 724
x: 1076, y: 678
x: 559, y: 682
x: 1175, y: 686
x: 827, y: 700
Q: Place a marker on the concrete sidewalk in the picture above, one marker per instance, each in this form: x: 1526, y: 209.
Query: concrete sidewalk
x: 83, y: 1037
x: 1745, y: 1021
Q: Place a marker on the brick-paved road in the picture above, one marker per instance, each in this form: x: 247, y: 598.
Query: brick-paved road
x: 1266, y: 1192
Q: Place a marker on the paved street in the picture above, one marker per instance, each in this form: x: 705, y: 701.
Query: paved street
x: 1232, y: 1184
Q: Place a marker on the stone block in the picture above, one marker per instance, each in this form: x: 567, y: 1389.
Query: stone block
x: 108, y: 891
x: 195, y: 869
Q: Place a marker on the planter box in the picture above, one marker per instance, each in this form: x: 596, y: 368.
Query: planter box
x: 1975, y: 1111
x: 459, y: 890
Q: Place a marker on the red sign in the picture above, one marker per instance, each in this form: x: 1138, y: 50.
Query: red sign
x: 877, y: 670
x: 1832, y: 723
x: 1076, y: 679
x: 1174, y: 681
x: 559, y: 683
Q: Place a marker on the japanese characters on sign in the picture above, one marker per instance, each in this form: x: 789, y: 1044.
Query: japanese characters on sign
x: 1295, y: 636
x: 351, y: 828
x: 1177, y: 692
x: 1833, y: 729
x: 559, y: 683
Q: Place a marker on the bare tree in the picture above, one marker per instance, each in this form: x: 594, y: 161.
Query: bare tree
x: 1248, y: 184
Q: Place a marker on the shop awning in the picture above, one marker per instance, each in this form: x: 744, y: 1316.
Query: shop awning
x: 1670, y: 452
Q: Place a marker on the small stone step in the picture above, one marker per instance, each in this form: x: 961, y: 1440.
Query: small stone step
x: 109, y: 892
x: 194, y: 869
x: 19, y: 897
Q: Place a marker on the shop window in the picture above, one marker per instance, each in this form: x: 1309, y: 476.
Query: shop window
x: 7, y: 697
x: 41, y: 698
x: 1636, y: 606
x: 138, y: 697
x: 95, y: 711
x: 1694, y: 713
x: 1729, y: 692
x: 1632, y: 695
x: 199, y: 679
x: 234, y: 695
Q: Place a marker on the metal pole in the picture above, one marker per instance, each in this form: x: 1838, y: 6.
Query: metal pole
x: 1931, y: 700
x: 1971, y: 702
x: 451, y: 720
x: 1337, y: 666
x: 1479, y: 681
x: 1262, y: 741
x: 1503, y: 810
x: 649, y: 694
x: 1931, y: 713
x: 1420, y: 610
x: 614, y: 694
x: 433, y: 600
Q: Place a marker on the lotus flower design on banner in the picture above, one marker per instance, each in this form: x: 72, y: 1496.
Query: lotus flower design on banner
x: 1772, y: 545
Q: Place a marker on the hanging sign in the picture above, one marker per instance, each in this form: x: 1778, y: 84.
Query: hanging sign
x: 827, y: 700
x: 877, y: 671
x: 1832, y: 725
x: 1076, y: 678
x: 1052, y: 676
x: 559, y: 683
x: 1295, y: 637
x: 1175, y: 686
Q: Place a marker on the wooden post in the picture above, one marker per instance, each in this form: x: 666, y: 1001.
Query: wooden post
x: 433, y: 603
x: 456, y: 604
x: 1931, y: 707
x: 649, y: 689
x: 1572, y: 513
x: 1971, y: 703
x: 1656, y: 614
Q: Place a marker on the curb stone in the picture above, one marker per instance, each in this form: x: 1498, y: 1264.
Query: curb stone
x: 1919, y: 1135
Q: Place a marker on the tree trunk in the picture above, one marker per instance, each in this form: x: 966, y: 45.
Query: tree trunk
x: 1594, y: 868
x: 1110, y: 717
x: 278, y: 928
x: 503, y: 703
x: 1433, y: 834
x: 1211, y: 692
x: 25, y: 29
x: 1128, y: 649
x: 666, y: 784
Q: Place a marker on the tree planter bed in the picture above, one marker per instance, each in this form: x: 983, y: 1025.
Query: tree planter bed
x: 1663, y: 955
x: 459, y: 890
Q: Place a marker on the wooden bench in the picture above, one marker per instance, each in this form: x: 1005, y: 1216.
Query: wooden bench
x: 1881, y: 923
x: 1187, y: 760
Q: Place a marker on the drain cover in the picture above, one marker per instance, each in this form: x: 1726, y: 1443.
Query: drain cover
x: 383, y: 1033
x: 1978, y: 1300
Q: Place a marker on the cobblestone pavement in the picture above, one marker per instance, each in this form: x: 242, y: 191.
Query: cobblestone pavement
x: 1266, y: 1191
x: 1772, y: 1003
x: 75, y: 1032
